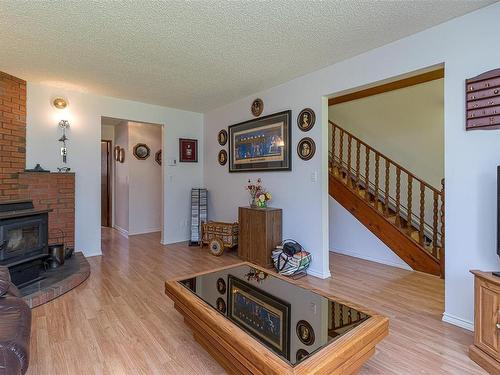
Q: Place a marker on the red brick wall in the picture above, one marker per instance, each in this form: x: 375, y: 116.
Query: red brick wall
x: 12, y: 133
x: 54, y: 191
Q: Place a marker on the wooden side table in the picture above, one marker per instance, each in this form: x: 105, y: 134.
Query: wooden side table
x: 260, y: 233
x: 486, y: 348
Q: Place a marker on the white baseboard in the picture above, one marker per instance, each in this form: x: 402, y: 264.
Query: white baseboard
x: 372, y: 259
x: 319, y: 274
x: 145, y: 231
x: 455, y: 320
x: 120, y: 230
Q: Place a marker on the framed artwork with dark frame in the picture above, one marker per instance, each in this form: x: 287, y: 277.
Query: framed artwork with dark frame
x: 266, y: 317
x: 306, y: 148
x: 222, y: 157
x: 188, y: 150
x: 116, y: 152
x: 222, y: 137
x: 306, y: 119
x: 262, y: 144
x: 158, y: 157
x: 141, y: 151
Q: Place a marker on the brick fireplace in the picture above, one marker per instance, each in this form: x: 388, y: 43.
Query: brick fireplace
x: 48, y: 191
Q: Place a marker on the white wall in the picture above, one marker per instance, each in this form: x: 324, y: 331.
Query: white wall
x: 122, y: 181
x: 470, y: 157
x: 144, y: 180
x: 300, y: 198
x: 407, y: 125
x: 84, y: 113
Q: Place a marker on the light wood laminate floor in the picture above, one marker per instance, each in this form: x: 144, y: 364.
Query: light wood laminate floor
x: 120, y: 321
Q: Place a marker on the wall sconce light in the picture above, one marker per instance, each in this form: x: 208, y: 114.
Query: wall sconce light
x: 64, y: 125
x: 59, y: 103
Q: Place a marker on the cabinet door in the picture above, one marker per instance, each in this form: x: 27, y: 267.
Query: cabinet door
x: 487, y: 318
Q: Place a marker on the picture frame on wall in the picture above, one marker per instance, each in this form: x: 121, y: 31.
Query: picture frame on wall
x: 262, y: 144
x: 188, y: 150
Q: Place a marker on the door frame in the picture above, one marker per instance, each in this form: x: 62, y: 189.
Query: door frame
x: 109, y: 189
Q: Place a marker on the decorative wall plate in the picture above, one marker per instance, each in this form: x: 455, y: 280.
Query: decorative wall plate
x: 158, y: 157
x: 222, y: 137
x: 121, y: 155
x: 306, y: 119
x: 306, y: 148
x: 301, y: 354
x: 141, y: 151
x: 222, y: 157
x: 221, y: 285
x: 305, y: 332
x: 257, y: 107
x: 116, y: 153
x: 221, y: 305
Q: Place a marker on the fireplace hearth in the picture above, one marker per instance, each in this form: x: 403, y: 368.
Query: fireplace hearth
x: 23, y: 240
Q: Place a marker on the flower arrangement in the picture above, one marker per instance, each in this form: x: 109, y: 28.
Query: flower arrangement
x: 258, y: 194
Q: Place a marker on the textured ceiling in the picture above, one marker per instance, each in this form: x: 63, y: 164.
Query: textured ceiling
x: 203, y: 54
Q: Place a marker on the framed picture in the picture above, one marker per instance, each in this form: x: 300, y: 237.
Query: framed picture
x: 116, y: 152
x: 306, y: 148
x: 264, y: 316
x: 262, y: 144
x: 306, y: 119
x: 188, y: 150
x: 121, y: 155
x: 305, y: 332
x: 158, y: 157
x: 222, y: 137
x: 222, y: 157
x: 141, y: 151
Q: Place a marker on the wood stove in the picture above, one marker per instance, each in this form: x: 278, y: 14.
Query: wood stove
x: 23, y: 240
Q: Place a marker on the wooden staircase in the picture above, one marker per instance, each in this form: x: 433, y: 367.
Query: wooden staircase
x: 383, y: 195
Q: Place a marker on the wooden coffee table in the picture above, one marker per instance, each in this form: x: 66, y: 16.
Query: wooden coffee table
x: 255, y: 322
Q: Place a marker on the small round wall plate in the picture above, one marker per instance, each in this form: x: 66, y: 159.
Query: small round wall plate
x: 116, y: 153
x: 257, y: 107
x: 306, y: 148
x: 301, y: 354
x: 221, y: 305
x: 141, y: 151
x: 222, y: 137
x: 158, y: 157
x: 222, y: 157
x: 306, y: 119
x: 305, y: 332
x: 221, y: 285
x: 121, y: 155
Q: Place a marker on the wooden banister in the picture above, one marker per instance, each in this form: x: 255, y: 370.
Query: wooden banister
x: 429, y: 235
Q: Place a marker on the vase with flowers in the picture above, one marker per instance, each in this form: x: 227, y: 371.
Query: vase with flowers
x: 258, y: 194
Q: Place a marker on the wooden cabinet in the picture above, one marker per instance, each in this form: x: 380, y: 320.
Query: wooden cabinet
x: 486, y: 350
x: 260, y: 233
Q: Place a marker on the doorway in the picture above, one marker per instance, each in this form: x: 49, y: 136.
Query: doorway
x: 106, y: 190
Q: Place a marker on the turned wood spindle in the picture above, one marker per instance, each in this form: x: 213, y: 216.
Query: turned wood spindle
x: 410, y: 198
x: 441, y: 250
x: 357, y: 162
x: 422, y: 214
x: 377, y: 157
x: 398, y: 195
x: 349, y: 141
x: 367, y: 173
x: 341, y: 149
x: 435, y: 224
x: 386, y: 200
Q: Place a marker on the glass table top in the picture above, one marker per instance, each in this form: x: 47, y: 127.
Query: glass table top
x: 292, y: 321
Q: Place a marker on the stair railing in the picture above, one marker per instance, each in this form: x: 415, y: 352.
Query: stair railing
x: 391, y: 189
